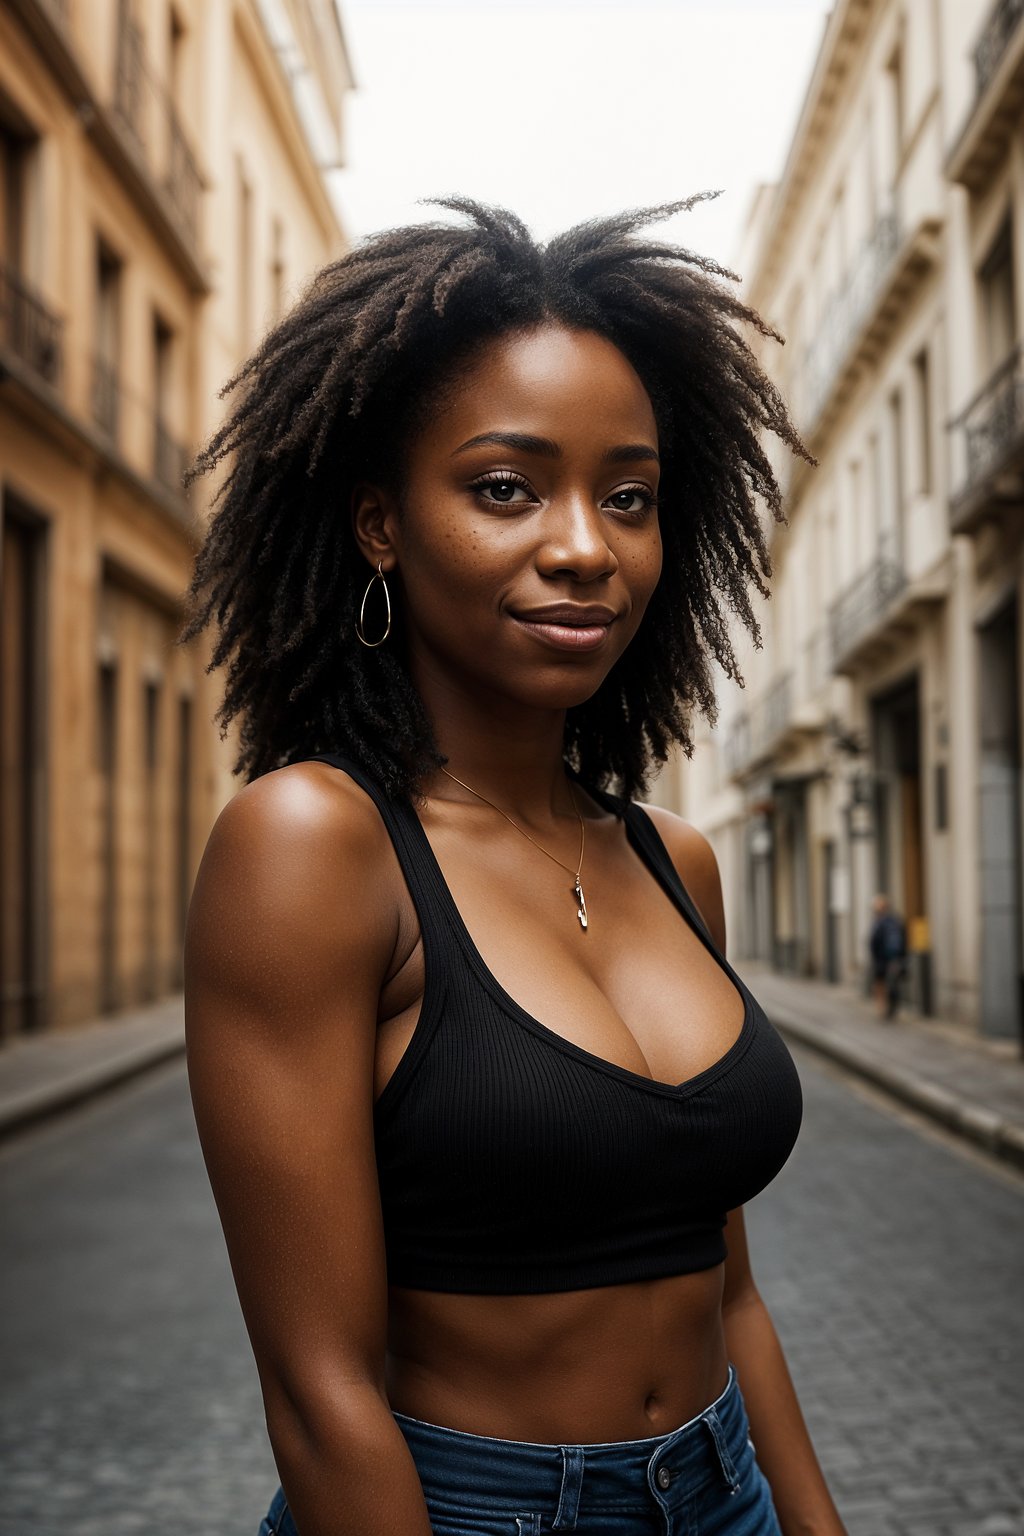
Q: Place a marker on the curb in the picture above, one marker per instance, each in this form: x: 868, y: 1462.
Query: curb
x: 18, y: 1111
x: 1001, y: 1138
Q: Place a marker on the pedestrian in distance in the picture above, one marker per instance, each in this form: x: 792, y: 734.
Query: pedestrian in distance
x: 480, y: 1096
x: 887, y: 942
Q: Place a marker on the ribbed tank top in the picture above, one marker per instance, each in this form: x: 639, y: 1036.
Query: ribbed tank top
x: 514, y: 1161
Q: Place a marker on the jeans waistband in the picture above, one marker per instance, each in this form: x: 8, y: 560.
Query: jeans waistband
x: 567, y: 1479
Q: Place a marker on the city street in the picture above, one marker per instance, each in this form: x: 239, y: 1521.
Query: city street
x: 891, y: 1259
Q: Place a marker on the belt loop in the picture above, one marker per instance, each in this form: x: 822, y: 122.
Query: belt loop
x: 714, y: 1423
x: 572, y: 1484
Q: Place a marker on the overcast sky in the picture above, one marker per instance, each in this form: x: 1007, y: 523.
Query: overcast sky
x: 569, y: 108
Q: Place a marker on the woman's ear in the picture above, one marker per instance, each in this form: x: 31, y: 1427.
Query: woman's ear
x: 374, y: 519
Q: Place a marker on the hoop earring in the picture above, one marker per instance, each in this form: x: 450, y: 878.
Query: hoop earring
x: 378, y: 575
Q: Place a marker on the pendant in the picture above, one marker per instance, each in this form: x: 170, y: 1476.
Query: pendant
x: 582, y: 913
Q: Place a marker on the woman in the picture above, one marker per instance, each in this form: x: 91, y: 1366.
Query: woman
x: 480, y: 1096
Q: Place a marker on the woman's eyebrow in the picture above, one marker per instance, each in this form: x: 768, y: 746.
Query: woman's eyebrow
x: 630, y: 451
x: 526, y: 442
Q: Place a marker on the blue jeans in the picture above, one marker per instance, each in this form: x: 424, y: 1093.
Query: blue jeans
x: 699, y: 1480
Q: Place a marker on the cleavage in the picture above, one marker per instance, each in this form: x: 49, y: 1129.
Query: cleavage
x: 639, y: 988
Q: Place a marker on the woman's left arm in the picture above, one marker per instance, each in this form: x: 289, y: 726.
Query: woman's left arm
x: 781, y: 1439
x: 784, y: 1450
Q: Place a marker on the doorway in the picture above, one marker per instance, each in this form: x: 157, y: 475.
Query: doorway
x: 899, y: 833
x: 23, y: 862
x: 999, y: 822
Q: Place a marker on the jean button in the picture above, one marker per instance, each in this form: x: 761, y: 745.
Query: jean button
x: 663, y: 1477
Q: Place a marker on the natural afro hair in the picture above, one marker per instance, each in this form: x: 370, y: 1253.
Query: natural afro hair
x: 334, y: 392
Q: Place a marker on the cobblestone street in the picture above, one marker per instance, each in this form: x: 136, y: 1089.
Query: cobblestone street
x: 892, y: 1263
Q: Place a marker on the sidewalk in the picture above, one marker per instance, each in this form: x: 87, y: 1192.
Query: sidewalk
x: 44, y: 1073
x: 971, y: 1085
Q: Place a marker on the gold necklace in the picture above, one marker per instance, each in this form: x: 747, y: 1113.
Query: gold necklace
x: 577, y: 889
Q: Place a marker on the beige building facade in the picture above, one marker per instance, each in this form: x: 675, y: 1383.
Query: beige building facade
x: 876, y: 745
x: 164, y: 169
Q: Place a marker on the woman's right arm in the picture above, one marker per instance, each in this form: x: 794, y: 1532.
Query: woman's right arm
x: 291, y: 931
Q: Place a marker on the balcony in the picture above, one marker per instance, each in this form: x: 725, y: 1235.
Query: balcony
x: 137, y: 130
x: 28, y: 329
x: 155, y: 130
x: 993, y: 447
x: 879, y: 611
x: 859, y: 609
x: 861, y: 315
x: 984, y: 141
x: 143, y: 137
x: 756, y: 732
x: 994, y: 41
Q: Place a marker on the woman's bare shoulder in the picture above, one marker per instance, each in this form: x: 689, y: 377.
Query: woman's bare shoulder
x: 298, y: 870
x: 305, y: 801
x: 696, y: 864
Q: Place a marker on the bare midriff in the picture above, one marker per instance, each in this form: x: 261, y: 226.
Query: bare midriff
x: 618, y: 1362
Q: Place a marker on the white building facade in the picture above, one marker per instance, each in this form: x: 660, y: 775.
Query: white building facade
x: 876, y: 745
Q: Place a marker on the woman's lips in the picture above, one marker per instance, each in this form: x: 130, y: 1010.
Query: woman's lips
x: 566, y: 637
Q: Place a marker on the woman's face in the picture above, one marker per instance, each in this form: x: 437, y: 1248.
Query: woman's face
x: 527, y: 540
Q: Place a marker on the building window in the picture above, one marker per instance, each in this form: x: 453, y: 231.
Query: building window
x: 897, y: 102
x: 244, y: 264
x: 151, y: 717
x: 26, y: 325
x: 23, y: 711
x: 16, y: 157
x: 168, y: 454
x: 876, y: 512
x: 923, y: 420
x: 106, y: 745
x: 856, y: 503
x: 276, y: 270
x: 896, y: 448
x: 175, y: 57
x: 107, y: 338
x: 998, y: 300
x: 163, y: 348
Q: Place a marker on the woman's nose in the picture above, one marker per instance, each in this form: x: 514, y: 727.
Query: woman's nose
x: 575, y: 541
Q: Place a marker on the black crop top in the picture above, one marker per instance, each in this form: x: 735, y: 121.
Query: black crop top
x: 512, y: 1160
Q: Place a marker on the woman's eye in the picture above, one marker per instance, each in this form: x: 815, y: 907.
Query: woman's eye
x: 502, y: 490
x: 634, y: 499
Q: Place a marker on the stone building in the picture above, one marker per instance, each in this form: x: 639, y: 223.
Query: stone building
x: 164, y: 191
x: 877, y: 744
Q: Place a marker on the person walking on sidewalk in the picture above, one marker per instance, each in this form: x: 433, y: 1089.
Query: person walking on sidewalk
x: 480, y: 1096
x: 887, y: 942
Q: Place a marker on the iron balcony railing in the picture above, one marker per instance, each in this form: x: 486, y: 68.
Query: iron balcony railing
x: 845, y: 312
x: 155, y: 127
x: 170, y: 458
x: 993, y: 423
x: 753, y: 733
x: 862, y: 605
x: 106, y: 396
x: 1003, y: 21
x: 28, y: 328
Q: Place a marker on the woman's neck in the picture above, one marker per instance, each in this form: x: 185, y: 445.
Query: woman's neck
x: 510, y: 754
